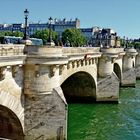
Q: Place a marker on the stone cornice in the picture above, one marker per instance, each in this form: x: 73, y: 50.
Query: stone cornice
x: 12, y: 60
x: 48, y: 60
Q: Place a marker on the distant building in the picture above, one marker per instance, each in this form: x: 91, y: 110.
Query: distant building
x: 33, y: 27
x: 105, y: 37
x: 95, y: 35
x: 5, y: 27
x: 61, y: 25
x: 89, y: 32
x: 57, y: 25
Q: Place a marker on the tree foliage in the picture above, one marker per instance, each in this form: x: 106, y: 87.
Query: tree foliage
x: 18, y: 34
x: 10, y: 33
x: 129, y: 43
x: 136, y: 44
x: 74, y: 37
x: 122, y: 42
x: 44, y: 35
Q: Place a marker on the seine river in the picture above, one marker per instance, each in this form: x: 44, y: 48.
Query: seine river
x: 107, y: 121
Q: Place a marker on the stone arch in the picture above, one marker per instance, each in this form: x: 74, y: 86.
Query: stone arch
x: 10, y: 126
x: 117, y: 71
x: 80, y: 86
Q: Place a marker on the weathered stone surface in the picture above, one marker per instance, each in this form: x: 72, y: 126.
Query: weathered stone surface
x: 137, y: 70
x: 46, y: 116
x: 11, y: 105
x: 108, y: 88
x: 129, y: 78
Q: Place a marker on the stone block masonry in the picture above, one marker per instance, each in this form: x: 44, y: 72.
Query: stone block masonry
x: 33, y: 85
x: 45, y: 116
x: 108, y: 88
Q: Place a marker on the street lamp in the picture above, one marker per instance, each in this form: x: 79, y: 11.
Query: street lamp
x: 50, y: 32
x: 50, y: 41
x: 26, y: 13
x: 124, y: 42
x: 127, y: 42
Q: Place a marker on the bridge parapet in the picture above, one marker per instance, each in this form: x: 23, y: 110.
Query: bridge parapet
x: 44, y: 51
x: 11, y: 54
x: 113, y: 50
x: 80, y: 50
x: 59, y: 51
x: 10, y: 49
x: 60, y: 55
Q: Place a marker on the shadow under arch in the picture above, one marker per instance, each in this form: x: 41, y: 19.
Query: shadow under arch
x: 10, y: 126
x: 117, y: 71
x: 79, y: 87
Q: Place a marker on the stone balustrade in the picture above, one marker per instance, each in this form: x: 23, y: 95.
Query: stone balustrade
x: 10, y: 49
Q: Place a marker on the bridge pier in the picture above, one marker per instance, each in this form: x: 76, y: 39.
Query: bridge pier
x: 108, y: 82
x: 45, y: 106
x: 137, y: 68
x: 129, y: 75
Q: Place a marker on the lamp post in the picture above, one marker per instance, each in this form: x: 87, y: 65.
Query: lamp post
x: 26, y: 13
x: 127, y: 42
x: 124, y: 42
x: 50, y: 32
x: 50, y: 41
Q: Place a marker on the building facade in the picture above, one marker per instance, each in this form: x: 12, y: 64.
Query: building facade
x: 105, y: 37
x: 96, y: 36
x: 58, y: 25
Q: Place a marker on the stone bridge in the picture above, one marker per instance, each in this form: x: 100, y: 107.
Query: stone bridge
x: 37, y: 82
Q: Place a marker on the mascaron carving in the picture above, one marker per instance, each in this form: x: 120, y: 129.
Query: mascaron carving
x: 53, y: 70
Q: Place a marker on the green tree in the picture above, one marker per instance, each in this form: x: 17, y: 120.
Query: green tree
x: 10, y: 33
x: 74, y: 37
x: 17, y: 34
x: 122, y: 42
x: 136, y: 44
x: 44, y: 35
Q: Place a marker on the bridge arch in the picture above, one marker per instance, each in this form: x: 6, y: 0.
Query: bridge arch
x: 118, y: 71
x: 10, y: 126
x: 80, y: 85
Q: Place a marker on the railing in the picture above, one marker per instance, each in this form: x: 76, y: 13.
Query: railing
x: 59, y: 51
x: 79, y: 50
x: 11, y: 49
x: 112, y: 50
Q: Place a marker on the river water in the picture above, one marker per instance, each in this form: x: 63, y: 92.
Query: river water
x: 98, y: 121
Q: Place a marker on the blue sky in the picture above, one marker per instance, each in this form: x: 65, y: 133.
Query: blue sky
x: 121, y: 15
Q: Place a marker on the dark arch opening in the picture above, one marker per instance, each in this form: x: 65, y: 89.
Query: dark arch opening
x: 10, y: 126
x: 117, y: 71
x: 133, y: 64
x: 79, y: 87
